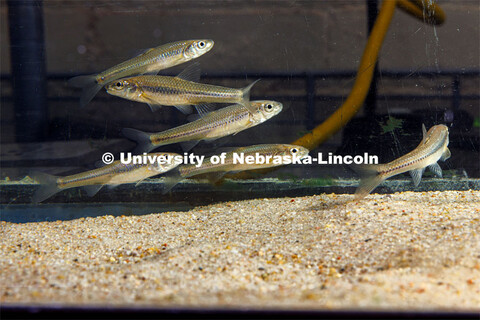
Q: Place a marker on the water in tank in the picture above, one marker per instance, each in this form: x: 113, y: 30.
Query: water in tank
x: 244, y: 157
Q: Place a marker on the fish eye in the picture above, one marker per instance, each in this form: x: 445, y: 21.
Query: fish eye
x: 294, y: 150
x: 269, y: 107
x: 201, y: 44
x: 118, y: 85
x: 102, y: 78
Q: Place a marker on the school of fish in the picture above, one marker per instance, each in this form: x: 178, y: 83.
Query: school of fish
x: 136, y: 79
x: 151, y: 61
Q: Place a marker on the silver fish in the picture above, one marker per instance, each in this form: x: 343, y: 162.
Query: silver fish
x: 213, y: 125
x: 151, y: 61
x: 273, y: 155
x: 113, y: 174
x: 180, y: 91
x: 432, y: 148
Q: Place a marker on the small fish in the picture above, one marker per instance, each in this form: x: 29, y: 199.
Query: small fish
x: 113, y: 174
x: 233, y: 163
x: 151, y: 61
x: 213, y: 125
x: 180, y: 91
x: 432, y: 148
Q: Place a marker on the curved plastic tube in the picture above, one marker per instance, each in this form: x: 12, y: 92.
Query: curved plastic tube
x: 353, y: 103
x: 425, y: 10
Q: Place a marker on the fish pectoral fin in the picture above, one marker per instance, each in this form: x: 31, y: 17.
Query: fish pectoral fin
x: 191, y: 73
x: 92, y: 189
x: 140, y: 181
x: 417, y: 176
x: 446, y: 155
x: 154, y: 105
x: 435, y: 168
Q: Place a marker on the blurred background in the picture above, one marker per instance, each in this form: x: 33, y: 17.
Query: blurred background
x: 305, y: 52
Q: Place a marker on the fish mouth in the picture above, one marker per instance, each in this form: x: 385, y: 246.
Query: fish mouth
x: 302, y: 152
x: 108, y: 88
x: 210, y: 44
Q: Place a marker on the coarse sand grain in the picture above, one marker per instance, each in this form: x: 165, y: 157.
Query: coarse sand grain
x: 403, y: 251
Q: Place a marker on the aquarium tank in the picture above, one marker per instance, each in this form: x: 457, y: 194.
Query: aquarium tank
x: 248, y: 158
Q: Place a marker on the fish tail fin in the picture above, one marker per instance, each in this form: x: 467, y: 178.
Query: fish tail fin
x: 370, y: 178
x: 246, y: 97
x: 144, y: 144
x: 48, y: 186
x: 89, y: 86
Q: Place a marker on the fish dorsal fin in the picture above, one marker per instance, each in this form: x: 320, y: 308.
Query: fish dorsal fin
x: 92, y: 189
x: 447, y: 154
x: 140, y: 52
x: 417, y: 176
x: 190, y: 73
x: 424, y: 130
x: 204, y: 108
x: 435, y: 168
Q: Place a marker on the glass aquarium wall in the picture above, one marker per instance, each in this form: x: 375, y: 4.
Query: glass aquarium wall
x: 341, y: 93
x: 239, y: 158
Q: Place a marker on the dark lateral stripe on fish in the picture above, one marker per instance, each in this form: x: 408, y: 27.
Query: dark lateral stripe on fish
x: 197, y: 130
x: 173, y: 90
x: 118, y: 168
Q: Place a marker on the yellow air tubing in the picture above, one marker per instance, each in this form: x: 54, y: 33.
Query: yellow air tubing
x: 425, y: 10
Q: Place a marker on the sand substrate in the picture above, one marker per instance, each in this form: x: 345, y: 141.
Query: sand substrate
x: 400, y: 251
